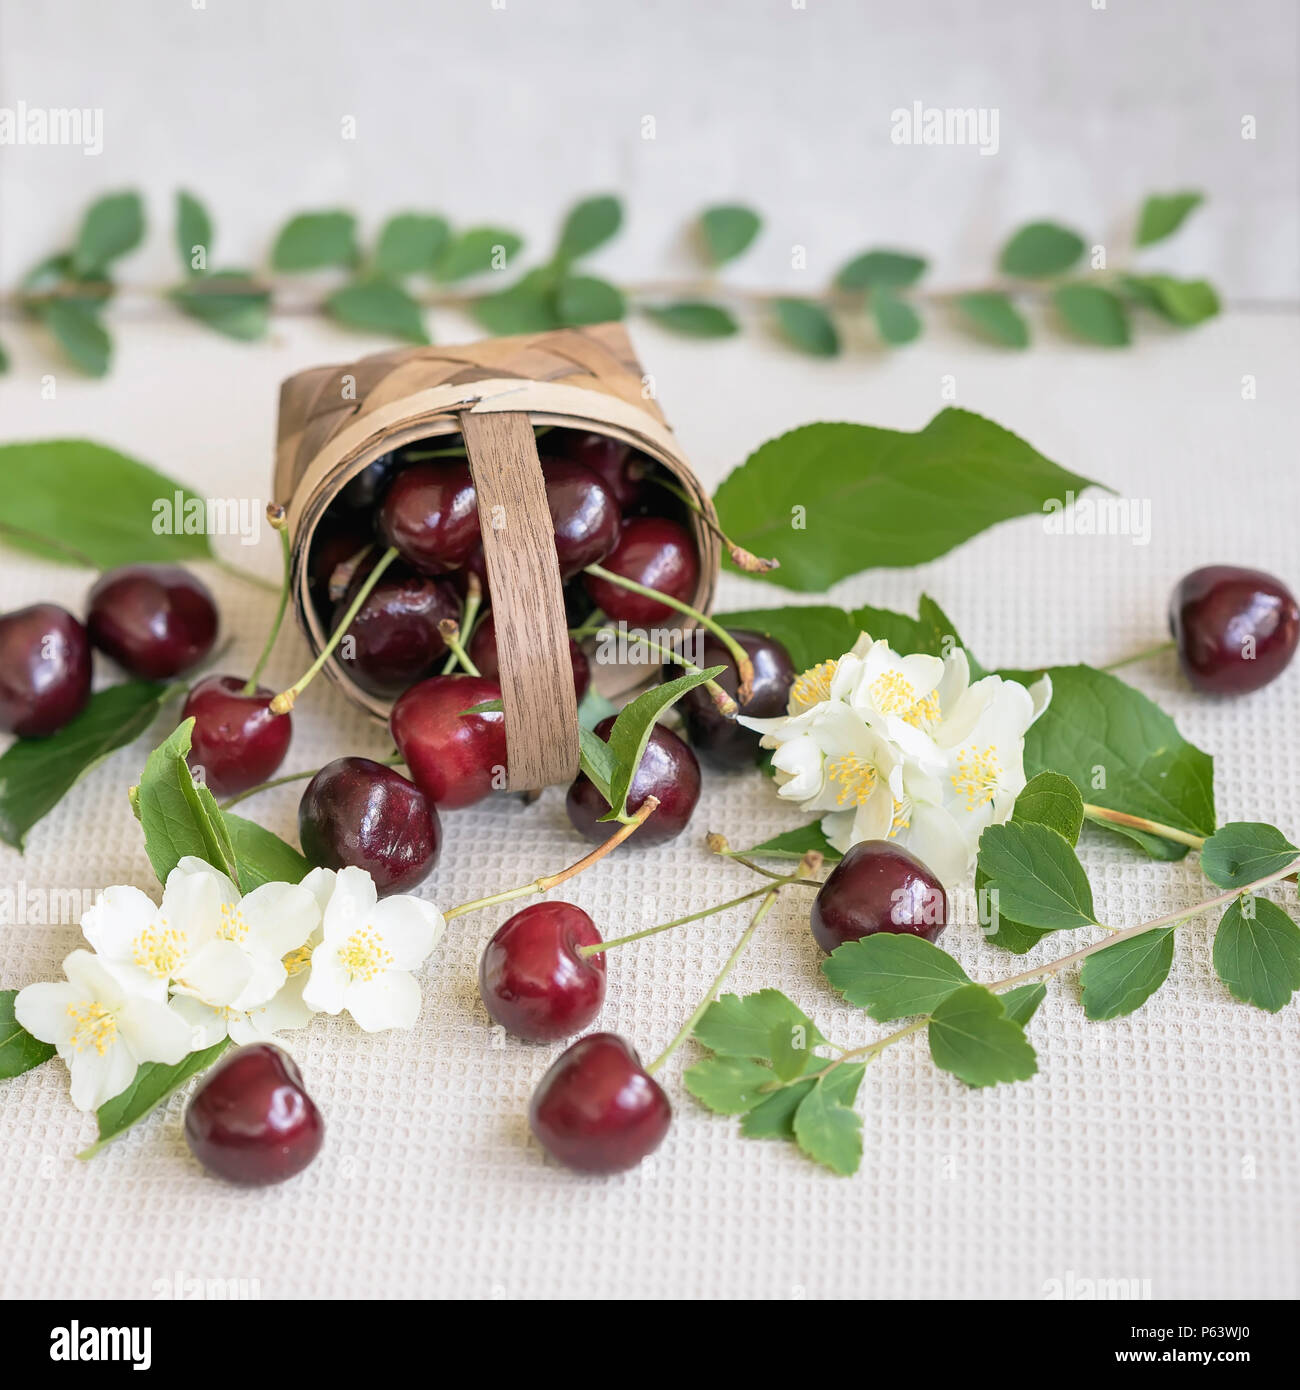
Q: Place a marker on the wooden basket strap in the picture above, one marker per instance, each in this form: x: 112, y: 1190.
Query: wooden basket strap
x: 532, y: 632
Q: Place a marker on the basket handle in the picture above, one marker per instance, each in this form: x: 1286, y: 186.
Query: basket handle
x: 532, y: 632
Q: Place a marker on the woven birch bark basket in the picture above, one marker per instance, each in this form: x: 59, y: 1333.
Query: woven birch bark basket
x: 334, y: 421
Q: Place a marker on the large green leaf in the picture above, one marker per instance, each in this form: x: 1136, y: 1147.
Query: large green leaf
x: 828, y: 500
x: 1124, y: 976
x: 261, y: 856
x: 972, y: 1037
x: 829, y: 1132
x: 893, y: 975
x: 1243, y: 852
x: 743, y: 1026
x: 527, y: 306
x: 583, y: 299
x: 1036, y: 875
x: 19, y: 1051
x: 1257, y: 953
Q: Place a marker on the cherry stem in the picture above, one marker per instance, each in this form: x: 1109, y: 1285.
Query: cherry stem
x: 744, y: 667
x: 275, y: 514
x: 743, y: 559
x: 725, y: 705
x: 549, y: 881
x: 1106, y: 816
x: 717, y: 844
x: 395, y: 761
x: 1141, y: 656
x: 449, y: 628
x: 284, y: 701
x: 600, y: 946
x: 342, y: 575
x: 468, y: 616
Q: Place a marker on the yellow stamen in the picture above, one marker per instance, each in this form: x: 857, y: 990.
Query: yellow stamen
x: 813, y: 687
x: 856, y: 779
x: 96, y: 1027
x: 158, y: 950
x: 893, y: 693
x: 365, y: 956
x: 298, y: 961
x: 978, y: 775
x: 233, y: 927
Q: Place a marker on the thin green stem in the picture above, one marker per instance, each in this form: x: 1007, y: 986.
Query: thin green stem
x: 468, y: 617
x: 601, y: 946
x: 286, y: 551
x: 1141, y: 656
x: 1103, y: 815
x: 723, y: 702
x: 395, y: 761
x: 450, y: 630
x: 743, y: 559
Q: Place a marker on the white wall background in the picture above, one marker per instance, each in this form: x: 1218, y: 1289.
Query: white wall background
x: 504, y: 111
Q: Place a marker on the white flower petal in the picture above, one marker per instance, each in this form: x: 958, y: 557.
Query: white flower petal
x: 89, y: 975
x: 192, y: 902
x: 98, y: 1077
x: 320, y: 884
x: 207, y: 1025
x: 328, y: 982
x: 119, y: 915
x: 153, y: 1032
x: 410, y: 928
x: 43, y: 1010
x: 390, y: 1000
x: 217, y: 973
x: 280, y: 917
x: 351, y: 903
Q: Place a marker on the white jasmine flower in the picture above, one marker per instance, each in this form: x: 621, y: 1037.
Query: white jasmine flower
x: 368, y: 948
x: 101, y: 1030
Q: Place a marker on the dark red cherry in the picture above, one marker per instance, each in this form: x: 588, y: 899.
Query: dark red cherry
x: 362, y: 493
x: 722, y: 742
x: 1236, y: 629
x: 483, y: 653
x: 878, y: 886
x: 395, y: 637
x: 360, y: 814
x: 533, y: 979
x: 155, y: 621
x: 430, y: 514
x: 237, y: 741
x: 597, y: 1110
x: 653, y: 551
x: 252, y: 1121
x: 455, y: 759
x: 667, y: 770
x: 476, y: 564
x: 583, y: 512
x: 44, y: 670
x: 620, y: 467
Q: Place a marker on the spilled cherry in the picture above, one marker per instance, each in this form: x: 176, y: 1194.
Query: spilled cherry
x: 719, y: 741
x: 455, y: 759
x: 878, y: 886
x: 668, y: 771
x: 45, y: 670
x: 1236, y: 629
x: 236, y: 740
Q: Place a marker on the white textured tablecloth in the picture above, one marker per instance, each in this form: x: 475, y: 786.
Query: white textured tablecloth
x: 1161, y: 1147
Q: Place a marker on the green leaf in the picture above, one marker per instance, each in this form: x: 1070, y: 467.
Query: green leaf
x: 631, y: 731
x: 593, y: 707
x: 179, y: 817
x: 1092, y: 313
x: 805, y: 324
x: 36, y: 773
x: 727, y: 231
x: 95, y: 501
x: 1037, y: 876
x: 1040, y: 249
x: 227, y: 301
x: 597, y: 760
x: 773, y: 1118
x: 1051, y: 799
x: 996, y: 317
x: 1021, y: 1003
x: 1124, y: 976
x: 896, y: 321
x: 4, y: 360
x: 1184, y: 302
x: 728, y: 1085
x: 736, y: 1026
x: 794, y: 844
x: 193, y: 232
x: 410, y: 244
x: 78, y: 331
x: 694, y: 319
x: 1243, y: 852
x: 891, y: 270
x: 930, y: 633
x: 153, y: 1083
x: 583, y: 299
x: 476, y: 251
x: 828, y: 500
x: 828, y: 1132
x: 378, y: 306
x: 527, y: 306
x: 971, y: 1036
x: 19, y: 1051
x: 112, y: 226
x: 892, y: 975
x: 1124, y: 753
x: 589, y: 224
x: 1163, y: 214
x: 315, y: 240
x: 261, y: 856
x: 1256, y: 954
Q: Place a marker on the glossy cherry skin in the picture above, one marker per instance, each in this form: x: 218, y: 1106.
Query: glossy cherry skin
x: 532, y: 979
x: 44, y: 670
x: 455, y: 759
x: 620, y: 467
x: 1220, y: 614
x: 362, y: 493
x: 252, y: 1121
x: 360, y: 814
x: 878, y: 886
x: 584, y: 514
x: 395, y: 637
x: 430, y: 514
x: 483, y: 653
x: 237, y: 741
x: 721, y: 742
x: 653, y: 551
x: 668, y: 770
x: 597, y: 1110
x: 155, y: 621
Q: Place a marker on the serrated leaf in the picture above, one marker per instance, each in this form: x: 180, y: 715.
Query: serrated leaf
x: 78, y: 331
x: 1257, y: 953
x: 972, y: 1037
x: 728, y: 1085
x: 1092, y: 313
x: 261, y: 856
x: 1021, y: 1004
x: 581, y: 299
x: 995, y: 316
x: 794, y: 844
x: 35, y: 774
x: 1124, y: 976
x: 773, y: 1118
x: 378, y: 306
x: 896, y: 321
x: 1037, y: 876
x: 477, y: 251
x: 410, y: 243
x: 736, y: 1026
x: 694, y: 319
x: 829, y: 1132
x: 587, y: 225
x: 112, y: 226
x: 858, y: 489
x: 1243, y: 852
x: 806, y: 325
x: 1051, y: 799
x: 1163, y: 214
x: 1040, y: 249
x: 1184, y: 302
x: 728, y: 230
x: 228, y: 302
x: 316, y: 240
x: 19, y: 1051
x: 193, y: 232
x: 881, y: 270
x: 527, y: 306
x: 893, y: 975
